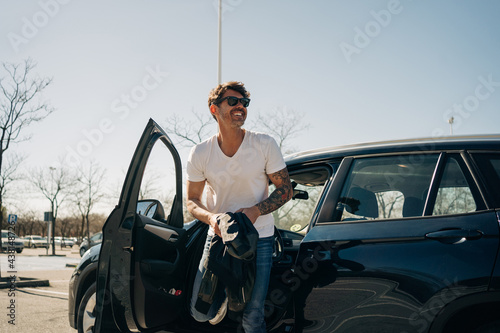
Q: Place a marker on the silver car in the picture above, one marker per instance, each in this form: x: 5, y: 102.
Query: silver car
x: 11, y: 241
x: 35, y: 241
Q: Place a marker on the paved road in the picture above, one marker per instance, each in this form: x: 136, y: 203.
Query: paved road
x: 42, y: 309
x: 30, y: 260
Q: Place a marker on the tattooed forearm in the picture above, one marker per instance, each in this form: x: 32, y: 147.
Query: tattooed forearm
x: 280, y: 195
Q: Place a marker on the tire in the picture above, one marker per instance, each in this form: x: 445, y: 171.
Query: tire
x: 19, y: 250
x: 86, y: 311
x: 82, y: 251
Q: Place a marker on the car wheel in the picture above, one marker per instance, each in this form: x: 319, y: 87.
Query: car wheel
x: 86, y: 314
x: 19, y: 250
x: 82, y: 251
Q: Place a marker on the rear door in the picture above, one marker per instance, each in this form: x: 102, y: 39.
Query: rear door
x: 141, y: 264
x: 399, y: 237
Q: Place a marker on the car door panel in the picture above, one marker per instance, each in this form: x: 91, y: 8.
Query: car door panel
x: 159, y: 257
x: 377, y: 262
x: 141, y: 259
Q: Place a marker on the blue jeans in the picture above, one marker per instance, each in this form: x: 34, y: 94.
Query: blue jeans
x: 253, y: 315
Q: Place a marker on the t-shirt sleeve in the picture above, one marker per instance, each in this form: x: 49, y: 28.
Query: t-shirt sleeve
x: 275, y: 161
x: 195, y: 171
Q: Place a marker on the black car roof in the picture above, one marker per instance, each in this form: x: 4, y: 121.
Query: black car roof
x: 474, y: 142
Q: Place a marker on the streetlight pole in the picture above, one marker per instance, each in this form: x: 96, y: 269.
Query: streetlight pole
x: 219, y: 44
x: 450, y: 121
x: 52, y: 230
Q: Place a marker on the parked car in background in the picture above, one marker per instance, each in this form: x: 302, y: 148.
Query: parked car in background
x: 94, y: 240
x: 63, y: 242
x: 398, y: 236
x: 11, y: 240
x: 69, y: 242
x: 35, y: 241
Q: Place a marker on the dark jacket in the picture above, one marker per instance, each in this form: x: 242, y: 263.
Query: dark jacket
x: 230, y: 264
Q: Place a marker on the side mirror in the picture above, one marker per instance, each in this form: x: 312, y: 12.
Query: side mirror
x: 150, y: 208
x: 299, y: 194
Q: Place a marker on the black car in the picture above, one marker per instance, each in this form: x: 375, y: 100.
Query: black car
x: 94, y: 240
x: 396, y: 236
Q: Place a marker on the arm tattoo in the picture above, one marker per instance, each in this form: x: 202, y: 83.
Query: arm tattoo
x: 280, y: 195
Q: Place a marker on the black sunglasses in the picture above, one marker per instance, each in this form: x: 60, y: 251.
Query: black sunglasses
x: 232, y: 101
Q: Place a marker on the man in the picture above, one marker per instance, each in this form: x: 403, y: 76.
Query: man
x: 236, y: 165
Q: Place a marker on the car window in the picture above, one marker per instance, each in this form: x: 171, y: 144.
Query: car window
x: 386, y: 187
x: 489, y: 166
x: 158, y: 181
x: 454, y: 195
x: 296, y: 214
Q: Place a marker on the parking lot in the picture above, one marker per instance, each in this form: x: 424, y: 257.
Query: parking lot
x: 38, y: 309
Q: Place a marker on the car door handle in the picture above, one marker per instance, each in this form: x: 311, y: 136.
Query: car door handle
x: 173, y: 238
x: 454, y: 236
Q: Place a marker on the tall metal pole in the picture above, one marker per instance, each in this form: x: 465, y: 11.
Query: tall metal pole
x: 220, y: 43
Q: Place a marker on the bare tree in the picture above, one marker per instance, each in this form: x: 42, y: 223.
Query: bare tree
x: 66, y: 226
x: 89, y: 191
x: 26, y: 223
x: 20, y: 105
x: 283, y: 124
x: 9, y: 174
x: 189, y: 133
x: 54, y: 184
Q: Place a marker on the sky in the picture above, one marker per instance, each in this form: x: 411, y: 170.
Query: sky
x: 357, y: 71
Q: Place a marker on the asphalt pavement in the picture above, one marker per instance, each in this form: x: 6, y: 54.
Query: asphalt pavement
x: 32, y: 308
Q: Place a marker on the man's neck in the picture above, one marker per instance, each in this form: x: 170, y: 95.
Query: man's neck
x: 230, y: 140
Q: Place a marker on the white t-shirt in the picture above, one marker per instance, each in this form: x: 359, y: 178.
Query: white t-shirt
x: 239, y: 181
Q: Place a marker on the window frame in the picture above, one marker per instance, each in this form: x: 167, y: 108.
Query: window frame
x: 332, y: 167
x: 484, y: 184
x: 327, y: 213
x: 436, y: 184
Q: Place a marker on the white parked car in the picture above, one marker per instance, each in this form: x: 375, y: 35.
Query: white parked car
x: 65, y: 241
x: 11, y: 240
x: 35, y: 241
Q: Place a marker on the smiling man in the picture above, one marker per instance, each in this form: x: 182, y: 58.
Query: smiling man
x: 235, y: 167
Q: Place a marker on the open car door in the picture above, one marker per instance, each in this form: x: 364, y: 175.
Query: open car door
x: 141, y: 264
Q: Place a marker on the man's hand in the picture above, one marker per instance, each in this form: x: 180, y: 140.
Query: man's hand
x: 252, y: 213
x: 213, y: 222
x: 196, y: 207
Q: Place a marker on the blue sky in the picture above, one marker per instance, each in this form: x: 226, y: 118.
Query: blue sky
x: 356, y: 70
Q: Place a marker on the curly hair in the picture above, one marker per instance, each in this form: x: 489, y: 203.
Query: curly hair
x: 216, y: 93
